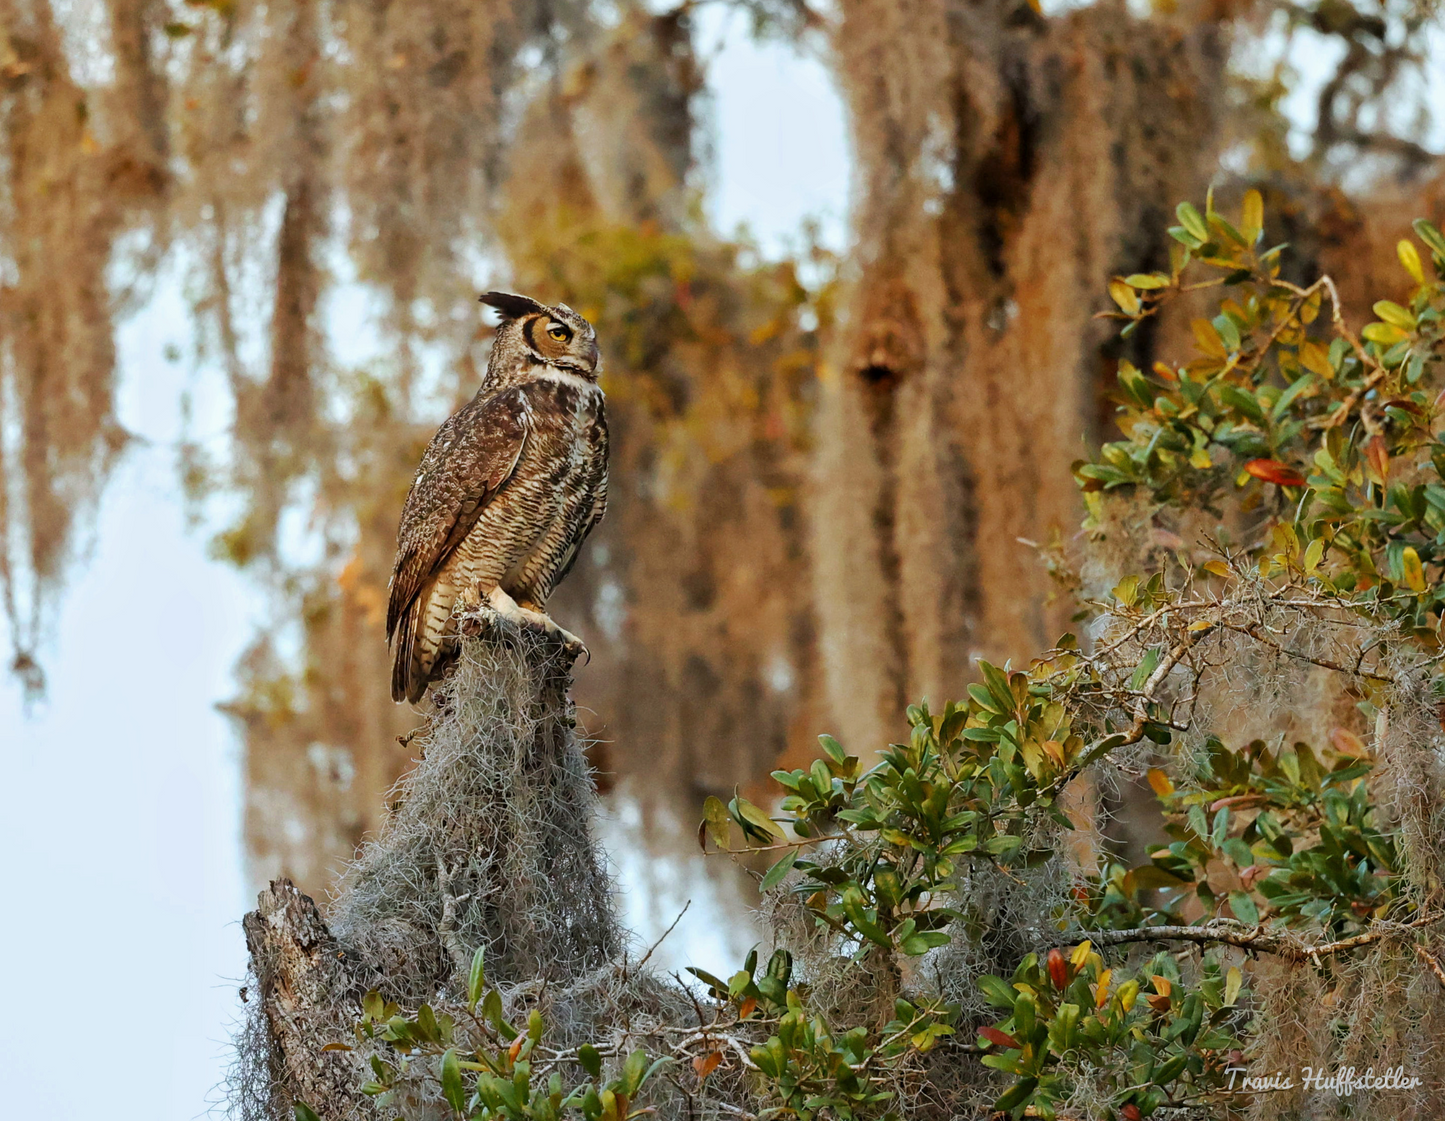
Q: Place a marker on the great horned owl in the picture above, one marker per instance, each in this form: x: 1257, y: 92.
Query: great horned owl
x: 508, y: 489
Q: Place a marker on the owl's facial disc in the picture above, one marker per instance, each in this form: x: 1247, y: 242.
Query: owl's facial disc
x: 569, y: 342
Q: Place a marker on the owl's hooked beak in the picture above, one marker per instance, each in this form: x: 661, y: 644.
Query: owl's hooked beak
x: 594, y: 356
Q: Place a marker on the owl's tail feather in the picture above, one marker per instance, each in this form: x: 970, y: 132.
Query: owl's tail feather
x: 404, y: 687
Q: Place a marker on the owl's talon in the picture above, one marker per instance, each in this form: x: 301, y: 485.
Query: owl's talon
x: 569, y: 642
x: 573, y: 645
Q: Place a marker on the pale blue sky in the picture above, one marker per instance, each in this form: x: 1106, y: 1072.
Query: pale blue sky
x: 125, y: 785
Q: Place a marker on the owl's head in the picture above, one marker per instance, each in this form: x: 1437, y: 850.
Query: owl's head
x: 555, y: 336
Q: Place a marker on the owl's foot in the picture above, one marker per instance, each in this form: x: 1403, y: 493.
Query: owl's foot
x: 505, y: 606
x: 532, y: 619
x: 569, y: 642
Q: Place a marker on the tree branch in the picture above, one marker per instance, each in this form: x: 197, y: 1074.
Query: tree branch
x: 1255, y: 939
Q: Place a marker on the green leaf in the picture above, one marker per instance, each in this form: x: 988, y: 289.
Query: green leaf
x: 1063, y: 1028
x: 770, y: 1058
x: 1193, y: 222
x: 1243, y: 907
x: 1298, y: 386
x: 1022, y: 1091
x: 1395, y: 315
x: 1171, y: 1069
x: 1243, y: 400
x: 452, y: 1089
x: 983, y: 698
x: 917, y: 944
x: 477, y: 977
x: 657, y: 1065
x: 590, y: 1060
x: 1146, y: 667
x: 304, y: 1112
x: 1238, y: 852
x: 822, y: 778
x: 778, y: 871
x: 1228, y: 331
x: 1430, y: 236
x: 632, y: 1072
x: 748, y: 815
x: 998, y: 685
x: 998, y: 991
x: 833, y: 749
x: 492, y: 1013
x: 1221, y: 827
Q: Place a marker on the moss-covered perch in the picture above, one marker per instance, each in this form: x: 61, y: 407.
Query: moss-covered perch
x: 487, y: 844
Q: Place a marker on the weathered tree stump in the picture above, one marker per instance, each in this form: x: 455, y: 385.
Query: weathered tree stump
x: 304, y: 980
x: 488, y: 843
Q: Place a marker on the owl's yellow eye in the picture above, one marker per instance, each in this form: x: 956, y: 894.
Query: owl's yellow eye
x: 560, y: 333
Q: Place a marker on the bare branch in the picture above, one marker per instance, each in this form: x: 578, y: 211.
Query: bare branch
x: 1255, y: 939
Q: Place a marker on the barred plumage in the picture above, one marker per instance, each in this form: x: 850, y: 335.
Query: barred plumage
x: 507, y: 491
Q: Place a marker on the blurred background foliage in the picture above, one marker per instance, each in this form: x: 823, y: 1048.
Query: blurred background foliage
x: 829, y: 472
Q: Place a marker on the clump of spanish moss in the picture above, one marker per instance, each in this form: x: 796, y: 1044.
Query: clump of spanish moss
x: 489, y: 840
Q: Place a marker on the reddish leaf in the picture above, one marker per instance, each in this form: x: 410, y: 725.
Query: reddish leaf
x: 517, y: 1047
x: 1347, y: 743
x: 1131, y: 1113
x: 336, y: 1047
x: 1000, y: 1038
x: 706, y: 1064
x: 747, y: 1007
x: 1273, y: 471
x: 1248, y: 876
x: 1236, y: 800
x: 1158, y: 1001
x: 1378, y: 457
x: 1058, y: 969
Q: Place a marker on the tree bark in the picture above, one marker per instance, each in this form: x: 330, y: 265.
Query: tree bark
x: 303, y: 979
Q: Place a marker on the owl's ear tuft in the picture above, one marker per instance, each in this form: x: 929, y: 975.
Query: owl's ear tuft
x: 511, y: 306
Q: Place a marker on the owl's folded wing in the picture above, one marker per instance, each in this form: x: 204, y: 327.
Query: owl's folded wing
x: 468, y: 461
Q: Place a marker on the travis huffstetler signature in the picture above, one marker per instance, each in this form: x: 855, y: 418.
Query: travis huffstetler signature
x: 1344, y: 1081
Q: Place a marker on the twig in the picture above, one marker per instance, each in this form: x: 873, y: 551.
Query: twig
x: 447, y: 927
x: 800, y: 844
x: 1256, y: 939
x: 658, y: 943
x: 1433, y: 962
x: 1252, y: 631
